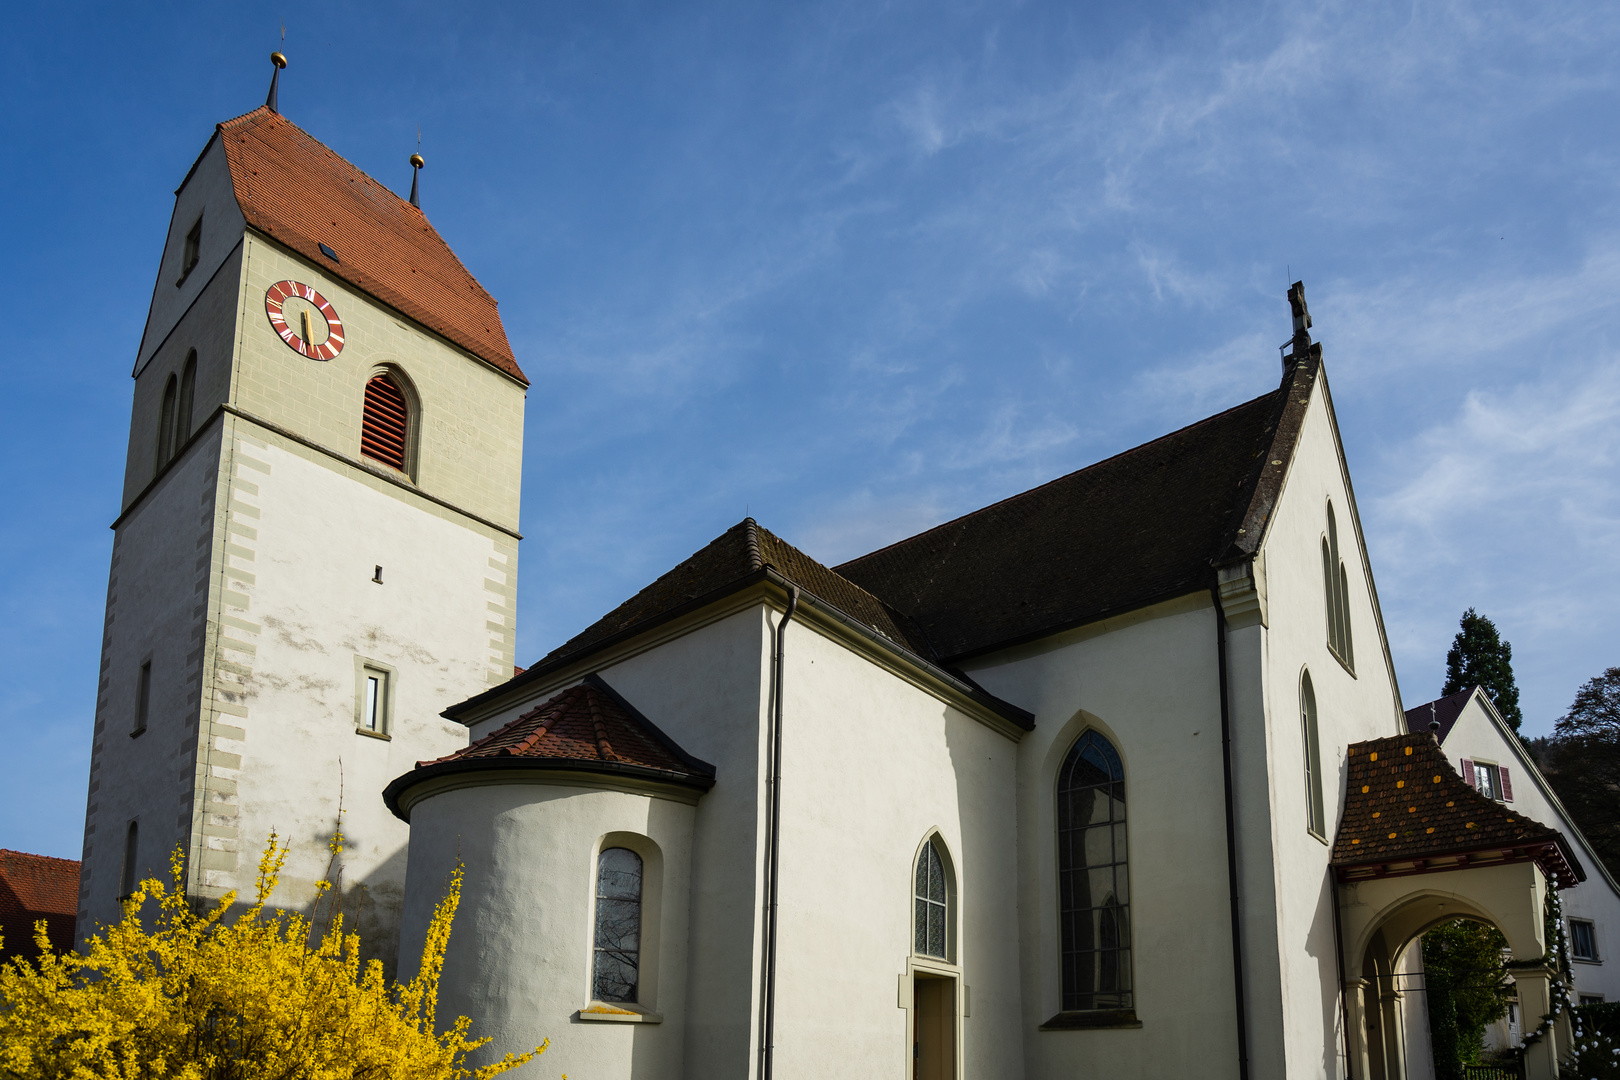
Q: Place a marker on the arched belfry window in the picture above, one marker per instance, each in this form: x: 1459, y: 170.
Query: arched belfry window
x: 1336, y: 591
x: 188, y: 392
x: 932, y: 902
x: 616, y: 971
x: 385, y: 428
x: 1315, y: 815
x: 1093, y: 886
x: 165, y: 432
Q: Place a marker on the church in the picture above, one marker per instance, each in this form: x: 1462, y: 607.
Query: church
x: 1112, y: 778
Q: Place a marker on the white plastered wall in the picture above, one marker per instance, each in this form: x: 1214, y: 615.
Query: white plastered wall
x: 1301, y: 1029
x: 1149, y: 682
x: 1479, y: 735
x: 520, y: 954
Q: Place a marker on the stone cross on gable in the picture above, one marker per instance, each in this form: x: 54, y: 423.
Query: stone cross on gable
x: 1302, y: 318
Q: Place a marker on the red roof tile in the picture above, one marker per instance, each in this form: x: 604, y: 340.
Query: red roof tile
x: 1406, y: 811
x: 34, y: 887
x: 587, y: 726
x: 293, y: 188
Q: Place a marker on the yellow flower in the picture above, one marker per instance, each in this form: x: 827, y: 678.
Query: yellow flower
x: 203, y: 997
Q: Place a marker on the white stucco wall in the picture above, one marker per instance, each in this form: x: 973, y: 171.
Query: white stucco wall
x: 520, y: 952
x: 1298, y: 1010
x: 1149, y: 682
x: 1478, y: 735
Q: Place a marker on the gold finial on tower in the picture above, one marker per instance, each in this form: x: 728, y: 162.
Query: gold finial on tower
x: 416, y: 168
x: 280, y: 61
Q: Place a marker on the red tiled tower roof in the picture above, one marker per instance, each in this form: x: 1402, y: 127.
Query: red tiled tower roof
x: 34, y: 887
x: 1406, y: 811
x: 586, y: 727
x: 293, y: 188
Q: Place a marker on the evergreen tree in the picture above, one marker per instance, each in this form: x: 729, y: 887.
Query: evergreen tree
x: 1583, y: 764
x: 1479, y: 657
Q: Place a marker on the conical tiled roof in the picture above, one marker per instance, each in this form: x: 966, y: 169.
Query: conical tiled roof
x: 587, y: 727
x: 1407, y: 811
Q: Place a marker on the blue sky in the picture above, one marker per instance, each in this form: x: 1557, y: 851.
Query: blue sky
x: 857, y: 268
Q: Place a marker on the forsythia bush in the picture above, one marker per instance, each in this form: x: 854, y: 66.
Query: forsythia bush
x: 257, y: 998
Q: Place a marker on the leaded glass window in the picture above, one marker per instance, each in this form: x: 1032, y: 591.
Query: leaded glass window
x: 932, y: 926
x: 618, y: 925
x: 1093, y: 886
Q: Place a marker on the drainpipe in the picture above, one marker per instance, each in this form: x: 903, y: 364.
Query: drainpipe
x: 772, y: 844
x: 1242, y: 999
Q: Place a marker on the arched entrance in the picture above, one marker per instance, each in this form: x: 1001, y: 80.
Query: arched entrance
x: 1418, y: 847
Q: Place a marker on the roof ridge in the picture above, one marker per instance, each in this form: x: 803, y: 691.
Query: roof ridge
x: 32, y: 855
x: 1059, y: 479
x: 599, y: 726
x: 1250, y: 514
x: 751, y: 539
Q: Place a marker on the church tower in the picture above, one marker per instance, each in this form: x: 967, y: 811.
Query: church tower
x: 316, y: 550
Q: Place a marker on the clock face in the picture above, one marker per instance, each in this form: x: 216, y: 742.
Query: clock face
x: 304, y: 319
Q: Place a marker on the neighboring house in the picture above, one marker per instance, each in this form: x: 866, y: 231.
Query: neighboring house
x: 1490, y: 756
x: 1110, y: 778
x: 35, y: 887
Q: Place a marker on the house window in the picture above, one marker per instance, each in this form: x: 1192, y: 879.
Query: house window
x: 617, y: 967
x: 375, y: 699
x: 1582, y: 940
x: 1336, y: 591
x: 165, y: 432
x: 143, y: 699
x: 385, y: 425
x: 1491, y: 781
x: 131, y: 875
x: 1315, y: 818
x: 1093, y: 887
x: 191, y: 252
x: 931, y: 924
x: 182, y: 409
x: 1591, y: 999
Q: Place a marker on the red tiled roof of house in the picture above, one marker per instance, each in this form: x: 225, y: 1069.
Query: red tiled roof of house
x: 293, y: 188
x: 588, y: 726
x: 1407, y: 811
x: 34, y: 887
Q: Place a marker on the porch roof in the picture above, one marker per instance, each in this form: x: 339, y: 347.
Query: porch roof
x: 1406, y: 811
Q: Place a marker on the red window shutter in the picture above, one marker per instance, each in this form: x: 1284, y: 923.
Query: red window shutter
x: 383, y: 428
x: 1468, y: 774
x: 1507, y: 785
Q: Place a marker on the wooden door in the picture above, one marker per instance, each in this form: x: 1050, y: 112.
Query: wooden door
x: 933, y: 1013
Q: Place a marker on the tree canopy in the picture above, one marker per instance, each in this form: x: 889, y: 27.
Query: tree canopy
x: 1479, y: 657
x: 1582, y: 762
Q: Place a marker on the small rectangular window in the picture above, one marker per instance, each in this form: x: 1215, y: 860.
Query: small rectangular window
x: 1591, y: 999
x: 1582, y: 940
x: 192, y: 251
x: 373, y: 698
x: 1485, y: 781
x: 143, y: 699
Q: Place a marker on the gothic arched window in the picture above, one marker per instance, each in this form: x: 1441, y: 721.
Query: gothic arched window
x: 1336, y: 591
x: 165, y: 433
x: 931, y: 920
x: 1093, y: 886
x: 386, y: 424
x: 1315, y: 816
x: 188, y: 391
x: 617, y: 967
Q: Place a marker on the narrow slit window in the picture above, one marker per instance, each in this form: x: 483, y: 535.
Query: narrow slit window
x: 375, y: 700
x: 131, y: 874
x: 1314, y: 813
x: 191, y: 252
x: 1336, y: 594
x: 1093, y: 883
x: 143, y: 699
x: 385, y: 426
x: 616, y: 972
x: 182, y: 410
x: 932, y: 926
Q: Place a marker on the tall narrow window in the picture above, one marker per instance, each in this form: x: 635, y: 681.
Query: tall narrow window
x: 385, y: 427
x: 131, y: 874
x: 182, y: 409
x: 931, y: 930
x: 1336, y: 592
x: 617, y: 970
x: 1093, y: 886
x: 1315, y: 817
x: 191, y: 252
x: 143, y: 699
x: 374, y: 699
x: 165, y: 432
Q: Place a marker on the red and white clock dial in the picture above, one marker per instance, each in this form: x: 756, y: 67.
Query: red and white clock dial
x: 297, y: 314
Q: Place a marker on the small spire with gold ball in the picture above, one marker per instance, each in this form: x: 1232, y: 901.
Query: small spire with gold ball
x: 416, y: 170
x: 280, y: 62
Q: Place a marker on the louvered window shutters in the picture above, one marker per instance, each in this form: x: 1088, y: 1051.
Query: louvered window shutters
x: 385, y: 426
x: 1507, y: 785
